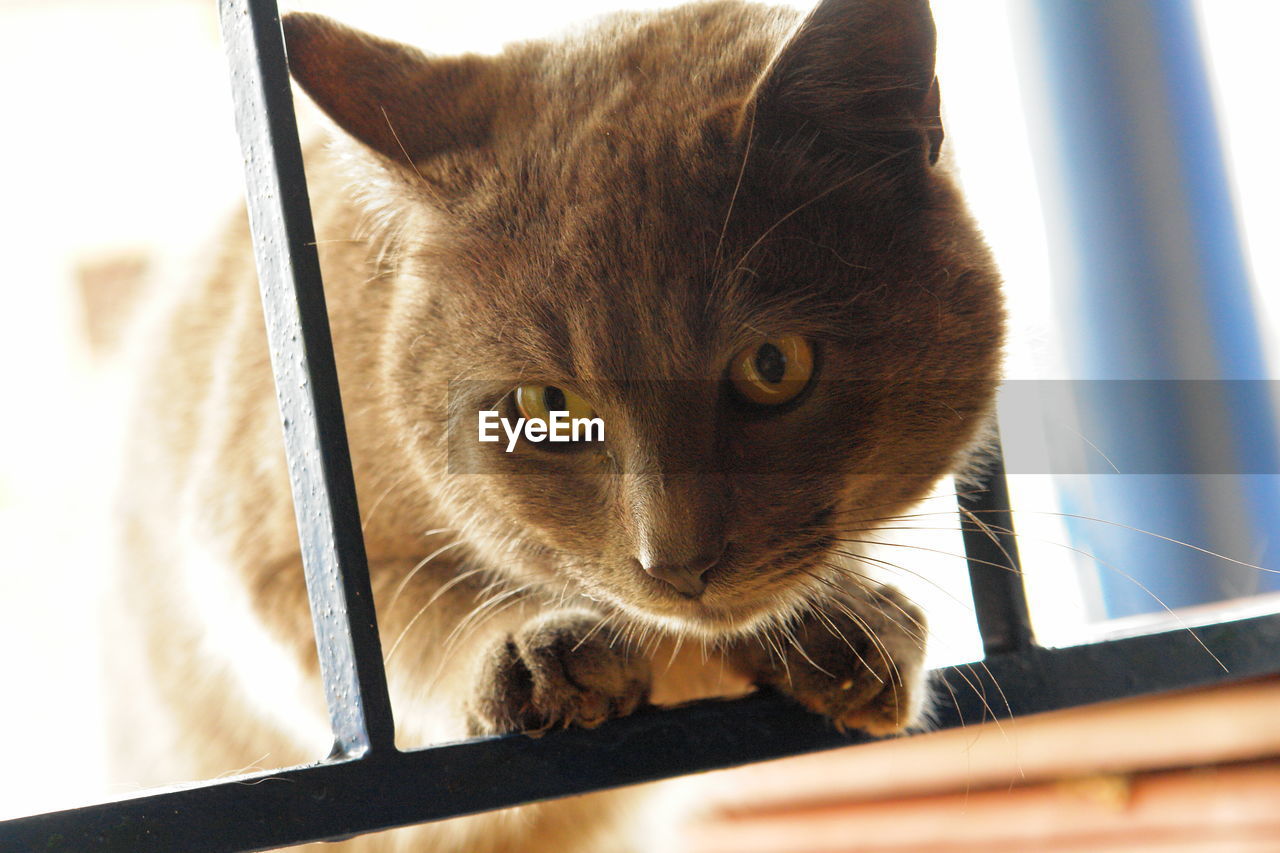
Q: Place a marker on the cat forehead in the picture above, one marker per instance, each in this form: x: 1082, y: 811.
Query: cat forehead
x: 626, y: 286
x: 709, y: 48
x: 596, y: 340
x: 637, y: 88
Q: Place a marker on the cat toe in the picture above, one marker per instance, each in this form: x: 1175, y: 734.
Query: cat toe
x: 558, y: 671
x: 859, y: 661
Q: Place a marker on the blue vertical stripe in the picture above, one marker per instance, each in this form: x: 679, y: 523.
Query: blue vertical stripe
x: 1150, y: 283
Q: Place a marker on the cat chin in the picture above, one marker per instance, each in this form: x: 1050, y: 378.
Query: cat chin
x: 701, y: 621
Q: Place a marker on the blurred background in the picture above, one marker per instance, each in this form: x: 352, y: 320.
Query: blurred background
x: 121, y: 162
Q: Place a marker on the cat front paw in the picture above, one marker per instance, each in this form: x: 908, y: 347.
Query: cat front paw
x: 859, y: 661
x: 558, y: 670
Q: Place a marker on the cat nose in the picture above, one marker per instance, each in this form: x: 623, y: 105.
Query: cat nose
x: 688, y: 578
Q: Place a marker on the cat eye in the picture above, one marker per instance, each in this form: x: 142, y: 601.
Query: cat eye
x: 536, y: 402
x: 773, y: 371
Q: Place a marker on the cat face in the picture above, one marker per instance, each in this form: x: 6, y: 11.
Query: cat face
x: 668, y: 220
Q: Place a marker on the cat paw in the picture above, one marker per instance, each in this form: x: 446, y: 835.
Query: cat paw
x: 558, y: 670
x: 860, y: 662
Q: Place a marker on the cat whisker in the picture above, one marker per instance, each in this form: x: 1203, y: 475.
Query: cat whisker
x: 876, y: 642
x: 403, y: 150
x: 652, y: 637
x: 991, y: 535
x: 771, y: 649
x: 477, y: 613
x: 423, y: 609
x: 364, y: 526
x: 475, y: 619
x: 918, y: 630
x: 975, y: 685
x: 973, y: 512
x: 675, y: 650
x: 742, y: 170
x: 864, y: 582
x: 788, y: 633
x: 1087, y: 555
x: 939, y: 495
x: 838, y: 634
x: 1008, y: 709
x: 421, y: 564
x: 955, y: 700
x: 885, y: 600
x: 592, y: 631
x: 1182, y: 623
x: 914, y: 547
x: 895, y: 567
x: 813, y: 200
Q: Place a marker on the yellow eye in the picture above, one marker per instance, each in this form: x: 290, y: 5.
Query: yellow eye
x: 773, y: 371
x: 536, y: 402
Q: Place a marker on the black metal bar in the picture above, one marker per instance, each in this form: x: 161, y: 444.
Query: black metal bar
x: 324, y: 493
x: 995, y: 573
x: 390, y: 789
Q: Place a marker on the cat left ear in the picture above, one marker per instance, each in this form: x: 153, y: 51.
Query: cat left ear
x: 395, y: 99
x: 856, y: 76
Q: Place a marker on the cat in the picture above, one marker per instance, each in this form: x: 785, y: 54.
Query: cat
x: 723, y: 229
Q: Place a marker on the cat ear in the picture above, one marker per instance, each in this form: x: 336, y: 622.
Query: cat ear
x: 395, y: 99
x: 856, y: 76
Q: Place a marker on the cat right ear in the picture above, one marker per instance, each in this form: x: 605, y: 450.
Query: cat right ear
x: 405, y: 105
x: 856, y: 77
